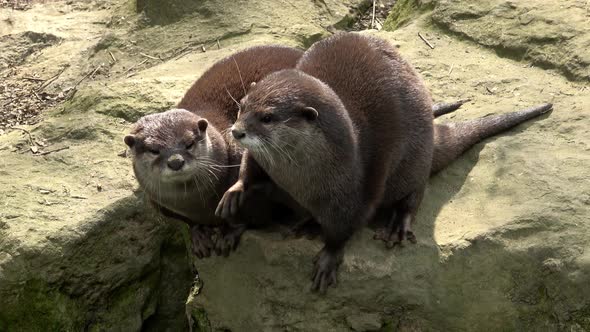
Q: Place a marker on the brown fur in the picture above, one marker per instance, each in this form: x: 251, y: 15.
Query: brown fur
x: 208, y: 108
x: 452, y: 139
x: 372, y: 136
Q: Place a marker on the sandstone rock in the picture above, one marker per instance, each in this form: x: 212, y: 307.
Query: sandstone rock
x: 503, y: 232
x: 549, y: 34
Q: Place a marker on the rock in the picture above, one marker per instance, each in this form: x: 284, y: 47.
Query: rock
x: 549, y: 34
x: 16, y: 48
x: 364, y: 322
x: 502, y: 232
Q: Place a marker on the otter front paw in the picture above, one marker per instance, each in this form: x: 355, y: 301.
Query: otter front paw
x: 231, y: 201
x: 325, y: 269
x: 202, y: 243
x: 228, y: 237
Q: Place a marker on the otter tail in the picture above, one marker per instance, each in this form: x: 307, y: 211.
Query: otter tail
x: 452, y: 139
x: 445, y: 108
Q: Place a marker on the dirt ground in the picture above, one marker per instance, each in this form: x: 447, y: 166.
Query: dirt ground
x: 24, y: 91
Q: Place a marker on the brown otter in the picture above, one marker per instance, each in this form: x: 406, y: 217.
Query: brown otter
x: 183, y: 159
x: 347, y: 131
x: 330, y: 131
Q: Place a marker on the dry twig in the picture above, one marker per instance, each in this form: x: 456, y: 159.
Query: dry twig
x: 51, y: 151
x: 135, y: 65
x: 75, y: 88
x: 112, y: 56
x: 425, y: 40
x: 35, y: 79
x: 95, y: 70
x: 37, y: 96
x: 149, y: 56
x: 373, y: 17
x: 27, y: 132
x: 52, y: 78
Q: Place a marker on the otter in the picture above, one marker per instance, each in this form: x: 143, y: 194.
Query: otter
x: 329, y: 131
x: 349, y: 130
x: 183, y: 158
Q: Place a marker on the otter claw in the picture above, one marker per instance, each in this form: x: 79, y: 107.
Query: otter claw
x: 202, y: 244
x: 396, y: 232
x: 228, y: 238
x: 325, y: 270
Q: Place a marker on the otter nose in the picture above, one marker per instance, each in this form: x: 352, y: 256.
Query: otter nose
x: 175, y: 162
x: 237, y: 133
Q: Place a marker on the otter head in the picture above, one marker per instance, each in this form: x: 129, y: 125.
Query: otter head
x: 279, y: 114
x: 173, y: 146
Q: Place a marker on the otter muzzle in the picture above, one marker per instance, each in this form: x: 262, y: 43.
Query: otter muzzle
x: 175, y: 162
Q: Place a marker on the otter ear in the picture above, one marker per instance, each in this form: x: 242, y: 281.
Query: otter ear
x: 253, y: 84
x: 202, y: 124
x: 130, y: 140
x: 310, y: 113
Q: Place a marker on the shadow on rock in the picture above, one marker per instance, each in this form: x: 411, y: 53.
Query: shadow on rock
x: 113, y: 272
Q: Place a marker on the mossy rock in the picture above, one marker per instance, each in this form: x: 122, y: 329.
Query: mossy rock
x: 404, y: 11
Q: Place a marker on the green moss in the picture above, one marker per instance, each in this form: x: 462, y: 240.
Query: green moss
x: 196, y: 314
x: 160, y: 12
x: 405, y: 10
x: 51, y: 310
x: 200, y: 321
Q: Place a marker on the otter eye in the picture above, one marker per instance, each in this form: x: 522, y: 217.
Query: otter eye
x: 190, y: 145
x: 153, y: 151
x: 266, y: 119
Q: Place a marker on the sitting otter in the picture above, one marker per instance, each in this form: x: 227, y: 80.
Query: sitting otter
x: 183, y: 158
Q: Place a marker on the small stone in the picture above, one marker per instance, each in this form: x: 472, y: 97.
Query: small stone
x: 552, y: 265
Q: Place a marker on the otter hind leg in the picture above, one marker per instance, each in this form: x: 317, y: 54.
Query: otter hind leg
x: 397, y: 230
x: 399, y: 227
x: 306, y: 227
x: 201, y: 238
x: 227, y: 238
